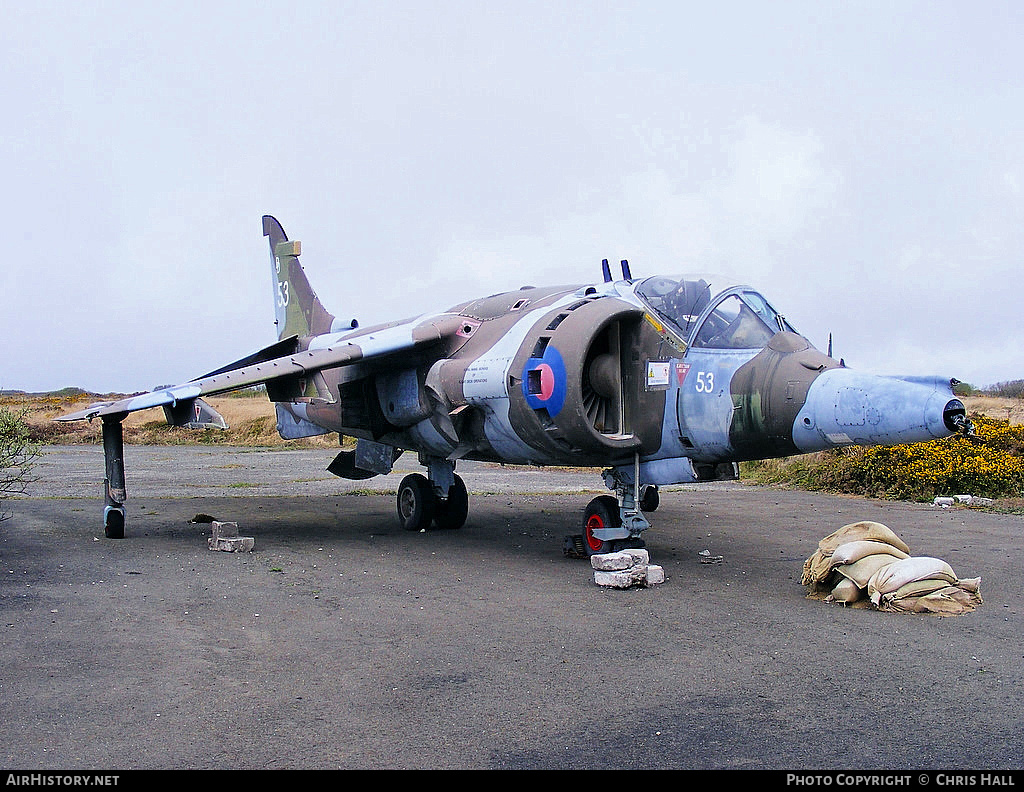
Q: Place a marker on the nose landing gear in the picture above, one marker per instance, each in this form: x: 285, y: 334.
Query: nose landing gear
x: 616, y: 523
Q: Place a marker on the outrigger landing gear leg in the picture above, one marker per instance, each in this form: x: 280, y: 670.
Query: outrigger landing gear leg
x: 114, y: 484
x: 439, y: 498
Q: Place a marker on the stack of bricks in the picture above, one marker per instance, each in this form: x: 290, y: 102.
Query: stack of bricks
x: 625, y: 569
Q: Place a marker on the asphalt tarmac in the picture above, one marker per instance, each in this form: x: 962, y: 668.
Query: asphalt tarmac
x: 342, y: 641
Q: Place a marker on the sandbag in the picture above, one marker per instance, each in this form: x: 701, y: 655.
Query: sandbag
x: 917, y: 588
x: 908, y: 570
x: 868, y: 558
x: 946, y: 601
x: 860, y: 572
x: 852, y: 552
x: 972, y: 585
x: 818, y: 568
x: 866, y: 530
x: 846, y: 591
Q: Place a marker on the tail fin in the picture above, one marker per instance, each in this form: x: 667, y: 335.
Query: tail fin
x: 297, y: 310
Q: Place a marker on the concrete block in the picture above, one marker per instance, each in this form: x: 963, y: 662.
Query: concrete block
x: 239, y: 544
x: 612, y: 562
x: 622, y: 579
x: 639, y: 555
x: 625, y: 569
x: 623, y: 559
x: 224, y: 536
x: 224, y: 530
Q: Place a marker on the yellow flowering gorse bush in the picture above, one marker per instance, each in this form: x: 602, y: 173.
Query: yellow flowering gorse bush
x: 992, y: 465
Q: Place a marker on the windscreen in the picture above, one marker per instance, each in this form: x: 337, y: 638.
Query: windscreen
x: 742, y: 319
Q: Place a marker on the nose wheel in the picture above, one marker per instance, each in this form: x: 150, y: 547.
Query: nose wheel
x: 601, y: 514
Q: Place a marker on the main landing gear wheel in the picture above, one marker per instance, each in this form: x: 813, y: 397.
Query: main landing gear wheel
x: 451, y: 513
x: 417, y: 503
x: 601, y: 512
x: 419, y: 507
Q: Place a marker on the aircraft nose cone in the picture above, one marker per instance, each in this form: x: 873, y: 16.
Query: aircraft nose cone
x: 846, y: 407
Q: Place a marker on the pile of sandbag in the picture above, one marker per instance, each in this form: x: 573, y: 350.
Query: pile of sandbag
x: 867, y: 563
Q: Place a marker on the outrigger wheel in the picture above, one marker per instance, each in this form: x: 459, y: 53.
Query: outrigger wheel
x: 420, y: 505
x: 113, y: 485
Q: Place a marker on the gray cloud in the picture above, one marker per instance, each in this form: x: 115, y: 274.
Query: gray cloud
x: 861, y: 164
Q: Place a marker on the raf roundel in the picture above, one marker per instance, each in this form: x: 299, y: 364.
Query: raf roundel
x: 544, y: 382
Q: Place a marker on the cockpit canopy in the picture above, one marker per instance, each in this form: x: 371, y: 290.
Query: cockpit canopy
x: 734, y: 318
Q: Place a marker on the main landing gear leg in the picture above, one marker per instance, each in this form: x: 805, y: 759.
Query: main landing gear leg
x: 439, y: 498
x: 114, y: 484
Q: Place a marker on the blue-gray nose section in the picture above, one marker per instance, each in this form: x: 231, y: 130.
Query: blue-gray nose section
x: 846, y: 407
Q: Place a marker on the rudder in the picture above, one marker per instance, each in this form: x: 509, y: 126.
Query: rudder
x: 297, y: 309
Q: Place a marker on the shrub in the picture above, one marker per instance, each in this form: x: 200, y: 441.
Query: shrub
x: 991, y: 466
x: 17, y: 455
x: 1014, y: 389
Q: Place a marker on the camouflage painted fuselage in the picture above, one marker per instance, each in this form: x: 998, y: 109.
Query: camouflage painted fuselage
x: 658, y: 380
x: 593, y: 375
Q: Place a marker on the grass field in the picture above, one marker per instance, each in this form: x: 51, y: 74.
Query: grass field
x: 251, y: 420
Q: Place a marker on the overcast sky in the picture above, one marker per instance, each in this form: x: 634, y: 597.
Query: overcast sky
x: 861, y: 163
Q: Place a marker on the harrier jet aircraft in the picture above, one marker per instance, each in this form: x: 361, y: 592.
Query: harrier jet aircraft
x: 658, y: 380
